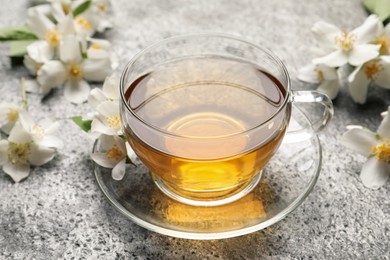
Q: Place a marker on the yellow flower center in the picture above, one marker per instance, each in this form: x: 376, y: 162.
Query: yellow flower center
x: 66, y: 8
x: 12, y: 115
x: 102, y: 7
x: 372, y: 69
x: 114, y: 122
x: 320, y: 74
x: 114, y: 153
x: 382, y: 151
x: 53, y: 38
x: 95, y: 46
x: 75, y: 71
x: 345, y: 40
x: 83, y: 23
x: 384, y: 42
x: 37, y: 131
x: 38, y: 66
x: 18, y: 153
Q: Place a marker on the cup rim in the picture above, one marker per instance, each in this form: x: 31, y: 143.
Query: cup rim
x: 196, y: 35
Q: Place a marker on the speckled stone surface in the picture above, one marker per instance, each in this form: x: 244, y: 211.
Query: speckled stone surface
x: 59, y: 211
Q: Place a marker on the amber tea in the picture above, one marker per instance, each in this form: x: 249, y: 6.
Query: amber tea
x: 206, y: 126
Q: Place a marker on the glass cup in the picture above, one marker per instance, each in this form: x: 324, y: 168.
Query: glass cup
x: 205, y: 113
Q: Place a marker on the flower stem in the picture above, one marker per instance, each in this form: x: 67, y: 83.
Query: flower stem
x: 24, y: 96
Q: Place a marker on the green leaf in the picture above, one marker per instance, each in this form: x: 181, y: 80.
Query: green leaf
x: 83, y: 124
x: 81, y: 8
x: 18, y: 48
x: 379, y: 7
x: 16, y: 33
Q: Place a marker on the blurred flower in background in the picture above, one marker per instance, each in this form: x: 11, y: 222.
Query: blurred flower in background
x: 366, y: 48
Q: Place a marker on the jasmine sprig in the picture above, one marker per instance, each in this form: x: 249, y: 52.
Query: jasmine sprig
x: 104, y: 124
x: 28, y: 143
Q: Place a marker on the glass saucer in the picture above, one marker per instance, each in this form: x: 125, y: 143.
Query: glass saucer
x: 287, y: 180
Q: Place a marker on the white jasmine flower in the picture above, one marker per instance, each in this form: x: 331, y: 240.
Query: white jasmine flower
x: 9, y: 115
x: 321, y: 74
x: 376, y: 147
x: 109, y: 92
x: 19, y: 152
x: 99, y: 49
x: 113, y: 156
x: 93, y: 19
x: 73, y: 70
x: 347, y: 47
x: 38, y: 53
x: 107, y: 121
x: 42, y: 133
x: 47, y: 30
x: 97, y: 15
x: 377, y: 71
x: 83, y: 26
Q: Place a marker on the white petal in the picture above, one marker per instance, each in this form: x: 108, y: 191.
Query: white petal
x: 375, y: 173
x: 330, y: 88
x: 383, y: 77
x: 120, y: 143
x: 363, y: 53
x: 335, y: 59
x: 57, y: 11
x: 111, y: 87
x: 26, y: 120
x: 106, y: 141
x: 358, y: 85
x: 49, y: 126
x: 5, y: 108
x: 119, y: 170
x: 98, y: 54
x: 102, y: 160
x: 96, y: 69
x: 104, y: 25
x: 70, y: 52
x: 3, y: 151
x: 101, y: 44
x: 76, y: 91
x: 52, y: 74
x: 308, y: 74
x: 132, y: 155
x: 19, y: 135
x: 384, y: 127
x: 40, y: 51
x: 360, y: 140
x: 100, y: 49
x: 17, y: 171
x: 38, y: 23
x: 96, y: 97
x: 108, y: 108
x: 7, y: 127
x: 367, y: 31
x: 66, y: 26
x: 40, y: 155
x: 98, y: 126
x: 329, y: 73
x: 31, y: 65
x: 51, y: 142
x: 325, y: 33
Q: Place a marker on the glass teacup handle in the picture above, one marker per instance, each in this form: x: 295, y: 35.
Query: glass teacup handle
x: 299, y: 128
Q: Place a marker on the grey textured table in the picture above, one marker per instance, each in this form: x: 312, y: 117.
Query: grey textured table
x: 59, y: 211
